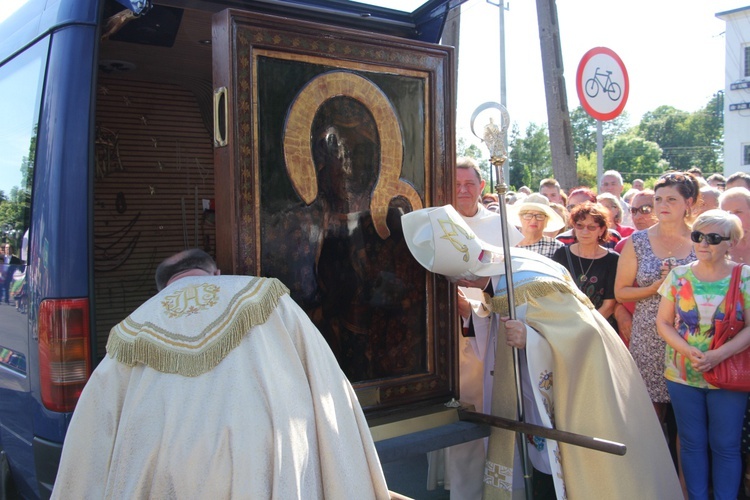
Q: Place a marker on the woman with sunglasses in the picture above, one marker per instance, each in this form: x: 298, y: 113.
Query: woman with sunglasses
x: 576, y: 197
x: 644, y: 263
x: 693, y: 298
x: 591, y: 265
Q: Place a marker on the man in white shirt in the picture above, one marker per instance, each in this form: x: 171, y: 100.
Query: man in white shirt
x: 464, y: 467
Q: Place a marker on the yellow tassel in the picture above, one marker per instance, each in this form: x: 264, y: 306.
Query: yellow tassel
x: 534, y: 288
x: 159, y: 357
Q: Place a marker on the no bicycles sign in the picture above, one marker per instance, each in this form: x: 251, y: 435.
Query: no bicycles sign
x: 602, y: 83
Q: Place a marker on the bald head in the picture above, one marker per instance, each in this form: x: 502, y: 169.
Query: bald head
x: 192, y: 262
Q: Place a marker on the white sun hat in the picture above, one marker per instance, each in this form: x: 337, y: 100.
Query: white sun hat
x: 443, y: 243
x: 538, y: 203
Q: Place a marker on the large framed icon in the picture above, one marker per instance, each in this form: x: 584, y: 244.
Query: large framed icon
x: 329, y: 136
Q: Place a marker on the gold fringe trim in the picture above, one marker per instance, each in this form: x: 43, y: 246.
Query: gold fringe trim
x: 146, y: 351
x: 537, y: 287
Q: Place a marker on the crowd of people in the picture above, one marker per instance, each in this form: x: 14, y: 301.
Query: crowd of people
x: 616, y: 301
x: 655, y: 262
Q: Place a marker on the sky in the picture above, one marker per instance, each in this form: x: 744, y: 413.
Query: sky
x: 673, y: 51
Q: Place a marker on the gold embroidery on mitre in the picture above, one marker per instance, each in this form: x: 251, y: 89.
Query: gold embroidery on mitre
x: 191, y: 300
x: 450, y: 230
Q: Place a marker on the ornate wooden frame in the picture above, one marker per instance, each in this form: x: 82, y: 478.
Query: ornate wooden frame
x: 285, y: 81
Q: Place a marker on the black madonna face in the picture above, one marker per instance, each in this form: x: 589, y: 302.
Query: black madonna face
x: 346, y: 148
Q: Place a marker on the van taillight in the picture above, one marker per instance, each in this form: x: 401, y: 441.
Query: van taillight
x: 64, y: 352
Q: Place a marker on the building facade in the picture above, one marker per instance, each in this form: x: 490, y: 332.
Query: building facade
x: 737, y: 90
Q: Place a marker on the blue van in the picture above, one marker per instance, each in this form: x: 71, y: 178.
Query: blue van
x: 106, y: 166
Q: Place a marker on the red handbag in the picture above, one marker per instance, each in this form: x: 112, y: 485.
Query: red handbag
x: 734, y: 372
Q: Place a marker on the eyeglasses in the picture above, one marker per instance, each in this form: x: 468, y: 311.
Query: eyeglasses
x: 711, y: 238
x: 644, y: 209
x: 529, y: 216
x: 590, y: 227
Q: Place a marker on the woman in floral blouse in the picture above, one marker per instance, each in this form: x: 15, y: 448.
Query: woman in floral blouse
x: 693, y: 297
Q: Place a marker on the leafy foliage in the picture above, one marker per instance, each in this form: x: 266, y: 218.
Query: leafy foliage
x: 586, y: 169
x: 530, y: 156
x: 666, y: 138
x: 583, y: 127
x: 14, y: 207
x: 687, y: 139
x: 634, y: 156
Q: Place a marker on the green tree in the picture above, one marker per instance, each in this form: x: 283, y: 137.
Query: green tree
x: 14, y: 207
x: 634, y: 156
x: 687, y: 139
x: 586, y: 170
x: 706, y: 130
x: 583, y: 127
x: 530, y: 157
x: 14, y: 213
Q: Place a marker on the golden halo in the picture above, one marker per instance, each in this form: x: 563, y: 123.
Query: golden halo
x: 298, y: 153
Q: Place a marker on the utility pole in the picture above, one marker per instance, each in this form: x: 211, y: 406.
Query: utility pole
x: 558, y: 116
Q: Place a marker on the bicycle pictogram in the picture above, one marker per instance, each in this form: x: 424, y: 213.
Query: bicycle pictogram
x: 595, y: 84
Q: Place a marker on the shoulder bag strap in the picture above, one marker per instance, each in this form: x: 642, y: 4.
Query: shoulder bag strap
x: 570, y: 262
x: 734, y: 286
x: 730, y: 314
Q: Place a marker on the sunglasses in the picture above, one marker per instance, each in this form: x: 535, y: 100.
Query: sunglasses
x: 590, y: 227
x: 644, y: 209
x: 675, y: 177
x: 529, y: 216
x: 711, y: 238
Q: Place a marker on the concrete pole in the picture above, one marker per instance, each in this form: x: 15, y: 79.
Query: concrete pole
x: 558, y: 116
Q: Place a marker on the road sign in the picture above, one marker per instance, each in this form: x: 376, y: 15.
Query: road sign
x: 602, y: 83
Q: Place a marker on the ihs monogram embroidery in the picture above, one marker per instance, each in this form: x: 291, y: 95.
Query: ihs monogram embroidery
x: 191, y: 300
x: 450, y: 230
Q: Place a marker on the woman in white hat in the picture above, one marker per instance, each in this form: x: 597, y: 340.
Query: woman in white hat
x: 534, y: 216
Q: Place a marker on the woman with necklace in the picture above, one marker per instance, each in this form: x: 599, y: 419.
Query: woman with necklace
x: 646, y: 259
x: 592, y: 265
